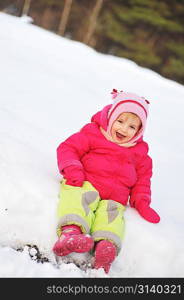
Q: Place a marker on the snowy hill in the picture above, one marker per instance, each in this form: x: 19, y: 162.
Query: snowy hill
x: 50, y: 87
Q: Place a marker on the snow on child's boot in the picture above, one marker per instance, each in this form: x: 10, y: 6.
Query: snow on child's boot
x: 105, y: 253
x: 72, y: 240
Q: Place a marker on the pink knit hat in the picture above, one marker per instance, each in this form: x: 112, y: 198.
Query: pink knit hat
x: 128, y: 102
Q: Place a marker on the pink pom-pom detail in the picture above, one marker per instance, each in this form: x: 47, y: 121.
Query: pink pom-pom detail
x: 114, y: 93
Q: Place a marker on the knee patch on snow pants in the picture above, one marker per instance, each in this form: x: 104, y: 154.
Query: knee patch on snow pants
x: 109, y: 222
x: 82, y: 206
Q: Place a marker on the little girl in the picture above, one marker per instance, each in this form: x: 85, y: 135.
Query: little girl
x: 104, y: 165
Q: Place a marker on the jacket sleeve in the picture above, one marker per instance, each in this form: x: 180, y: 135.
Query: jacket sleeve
x: 71, y: 151
x: 142, y: 189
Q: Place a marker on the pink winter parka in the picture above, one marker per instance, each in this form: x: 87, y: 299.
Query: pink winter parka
x: 117, y: 172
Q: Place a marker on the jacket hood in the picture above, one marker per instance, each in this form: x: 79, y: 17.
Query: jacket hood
x: 101, y: 117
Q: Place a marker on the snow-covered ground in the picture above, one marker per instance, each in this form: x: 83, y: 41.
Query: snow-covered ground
x: 50, y: 87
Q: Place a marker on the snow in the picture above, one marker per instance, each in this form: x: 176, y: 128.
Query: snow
x: 50, y: 87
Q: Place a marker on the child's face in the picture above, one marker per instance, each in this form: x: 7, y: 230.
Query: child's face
x: 125, y: 127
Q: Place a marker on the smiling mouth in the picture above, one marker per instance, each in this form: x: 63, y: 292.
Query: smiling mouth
x: 120, y: 136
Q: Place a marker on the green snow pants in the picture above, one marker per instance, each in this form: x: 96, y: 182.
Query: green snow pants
x: 82, y: 206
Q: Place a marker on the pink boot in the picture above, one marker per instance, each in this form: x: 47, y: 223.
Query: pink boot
x: 105, y: 253
x: 72, y: 240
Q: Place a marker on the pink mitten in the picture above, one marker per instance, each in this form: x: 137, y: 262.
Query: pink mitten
x: 147, y: 212
x: 74, y: 175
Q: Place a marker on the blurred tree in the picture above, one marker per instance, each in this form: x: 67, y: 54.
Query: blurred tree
x: 92, y: 21
x: 64, y: 17
x: 150, y: 33
x: 26, y: 7
x: 79, y: 19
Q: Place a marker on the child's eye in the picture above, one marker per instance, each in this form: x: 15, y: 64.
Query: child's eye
x: 120, y: 121
x: 132, y: 127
